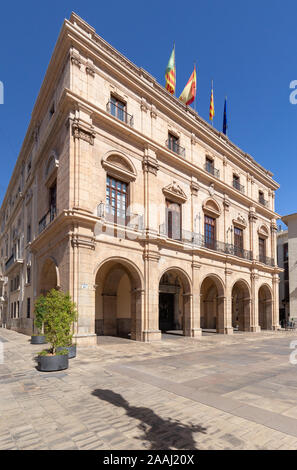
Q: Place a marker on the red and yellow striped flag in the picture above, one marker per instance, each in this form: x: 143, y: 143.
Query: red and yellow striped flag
x: 211, y: 106
x: 189, y: 93
x: 170, y: 73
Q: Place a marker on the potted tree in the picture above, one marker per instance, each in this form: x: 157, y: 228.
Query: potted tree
x: 67, y: 342
x: 60, y: 313
x: 39, y: 313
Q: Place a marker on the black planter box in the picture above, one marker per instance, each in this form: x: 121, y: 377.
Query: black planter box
x: 53, y: 363
x: 71, y: 350
x: 38, y: 339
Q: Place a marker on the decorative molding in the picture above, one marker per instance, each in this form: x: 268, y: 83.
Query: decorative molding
x: 240, y: 222
x: 226, y: 202
x: 90, y: 70
x: 252, y: 215
x: 263, y: 230
x: 153, y: 111
x: 193, y: 139
x: 80, y: 131
x: 194, y: 187
x: 75, y: 59
x: 211, y: 189
x: 150, y: 165
x: 119, y: 166
x: 150, y: 255
x: 80, y: 241
x: 175, y: 192
x: 144, y: 105
x: 211, y: 207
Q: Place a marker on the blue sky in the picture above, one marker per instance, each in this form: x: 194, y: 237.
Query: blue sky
x: 249, y: 51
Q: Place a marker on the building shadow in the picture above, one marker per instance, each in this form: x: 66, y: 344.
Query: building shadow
x: 159, y: 433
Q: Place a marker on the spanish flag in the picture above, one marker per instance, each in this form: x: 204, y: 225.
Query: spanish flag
x: 211, y: 106
x: 170, y: 73
x: 189, y: 92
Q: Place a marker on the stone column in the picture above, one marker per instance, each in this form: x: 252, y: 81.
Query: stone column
x: 151, y: 330
x: 187, y: 305
x: 83, y: 287
x: 255, y: 327
x: 275, y: 304
x: 252, y: 220
x: 137, y: 316
x: 196, y: 300
x: 226, y: 306
x: 273, y: 228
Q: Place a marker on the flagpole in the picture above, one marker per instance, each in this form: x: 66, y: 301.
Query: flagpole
x: 195, y: 88
x: 213, y: 99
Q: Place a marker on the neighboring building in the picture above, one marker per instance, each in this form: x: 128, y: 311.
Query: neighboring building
x: 287, y: 259
x: 122, y: 195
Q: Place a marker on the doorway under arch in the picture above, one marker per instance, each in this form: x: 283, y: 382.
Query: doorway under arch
x: 265, y: 307
x: 49, y: 278
x: 212, y: 305
x: 118, y: 300
x: 241, y: 306
x: 174, y: 302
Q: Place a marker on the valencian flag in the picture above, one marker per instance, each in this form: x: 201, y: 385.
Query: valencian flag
x: 225, y: 126
x: 189, y: 92
x: 170, y: 73
x: 211, y: 106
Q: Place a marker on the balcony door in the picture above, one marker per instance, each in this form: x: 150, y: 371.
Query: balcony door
x: 209, y: 231
x: 53, y: 200
x: 173, y: 219
x: 238, y: 241
x: 262, y: 249
x: 116, y: 200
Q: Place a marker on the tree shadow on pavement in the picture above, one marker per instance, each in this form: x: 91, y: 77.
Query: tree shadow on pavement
x: 161, y: 434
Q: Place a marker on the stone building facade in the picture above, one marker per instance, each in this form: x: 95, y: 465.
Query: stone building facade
x: 123, y: 196
x: 287, y: 259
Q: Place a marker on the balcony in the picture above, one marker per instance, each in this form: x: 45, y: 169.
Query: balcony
x: 266, y: 260
x: 200, y: 241
x: 212, y: 170
x: 120, y: 113
x: 12, y: 262
x: 263, y: 201
x: 175, y: 147
x: 238, y: 186
x: 47, y: 219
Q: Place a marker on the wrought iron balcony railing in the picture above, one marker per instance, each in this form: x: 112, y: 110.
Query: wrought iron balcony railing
x: 238, y: 186
x: 212, y: 170
x: 120, y: 113
x: 201, y: 241
x: 120, y: 217
x: 175, y: 147
x: 266, y: 260
x: 47, y: 219
x: 11, y: 261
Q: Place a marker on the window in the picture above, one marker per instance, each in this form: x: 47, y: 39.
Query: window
x: 209, y: 165
x: 11, y: 310
x: 262, y: 249
x: 209, y: 231
x: 118, y: 108
x: 53, y: 201
x: 28, y: 274
x: 173, y: 220
x: 18, y: 309
x: 28, y: 307
x: 28, y: 233
x: 286, y: 261
x: 116, y: 200
x: 238, y: 241
x: 173, y: 142
x: 236, y: 181
x: 11, y: 285
x: 14, y: 310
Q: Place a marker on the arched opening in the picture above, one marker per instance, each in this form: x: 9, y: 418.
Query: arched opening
x: 48, y: 277
x: 241, y: 306
x: 265, y: 308
x: 212, y: 305
x: 174, y: 302
x: 118, y: 300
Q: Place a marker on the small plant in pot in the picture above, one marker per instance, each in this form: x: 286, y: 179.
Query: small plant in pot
x: 67, y: 344
x: 58, y: 320
x: 39, y: 313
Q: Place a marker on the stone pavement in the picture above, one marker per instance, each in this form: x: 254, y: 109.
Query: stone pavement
x: 214, y: 392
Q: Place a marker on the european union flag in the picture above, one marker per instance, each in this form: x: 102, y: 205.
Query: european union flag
x: 225, y: 126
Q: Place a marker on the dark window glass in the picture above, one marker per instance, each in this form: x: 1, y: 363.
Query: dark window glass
x: 173, y: 143
x: 173, y: 218
x: 262, y: 249
x: 238, y: 241
x: 116, y: 200
x: 118, y: 108
x: 28, y: 307
x: 209, y: 231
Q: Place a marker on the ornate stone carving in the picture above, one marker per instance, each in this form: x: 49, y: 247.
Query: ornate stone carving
x: 194, y: 187
x: 75, y: 59
x: 153, y: 111
x: 226, y: 202
x: 193, y: 139
x: 144, y: 105
x: 90, y: 70
x: 81, y: 132
x: 174, y: 191
x: 150, y: 165
x: 211, y: 189
x: 240, y: 221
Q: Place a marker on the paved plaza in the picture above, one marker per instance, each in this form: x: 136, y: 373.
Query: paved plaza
x: 214, y: 392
